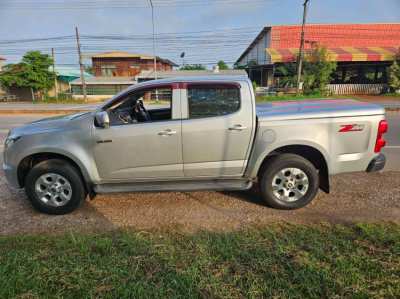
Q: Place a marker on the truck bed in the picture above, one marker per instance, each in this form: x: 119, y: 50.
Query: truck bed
x: 316, y: 109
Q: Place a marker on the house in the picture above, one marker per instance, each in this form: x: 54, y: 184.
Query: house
x: 100, y: 88
x: 65, y: 75
x: 124, y: 64
x: 363, y: 52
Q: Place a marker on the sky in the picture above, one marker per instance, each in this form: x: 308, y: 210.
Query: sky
x: 206, y: 30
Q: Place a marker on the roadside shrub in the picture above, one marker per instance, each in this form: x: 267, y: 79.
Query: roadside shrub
x: 317, y: 71
x: 394, y: 74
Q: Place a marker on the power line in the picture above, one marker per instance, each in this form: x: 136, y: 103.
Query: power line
x: 15, y: 4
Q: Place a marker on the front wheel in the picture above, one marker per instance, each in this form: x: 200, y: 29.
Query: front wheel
x: 55, y: 187
x: 289, y: 182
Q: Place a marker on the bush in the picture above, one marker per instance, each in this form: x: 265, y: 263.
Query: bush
x: 317, y: 71
x: 394, y: 76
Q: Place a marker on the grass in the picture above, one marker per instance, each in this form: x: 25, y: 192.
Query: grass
x: 287, y: 261
x: 289, y: 97
x: 60, y: 101
x: 392, y: 95
x: 81, y: 101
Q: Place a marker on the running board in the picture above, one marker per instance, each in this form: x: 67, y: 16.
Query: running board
x: 202, y: 185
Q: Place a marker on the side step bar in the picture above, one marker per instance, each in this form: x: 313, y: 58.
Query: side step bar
x: 202, y: 185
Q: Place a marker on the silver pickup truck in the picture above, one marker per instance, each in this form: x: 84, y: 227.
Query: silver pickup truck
x: 207, y: 134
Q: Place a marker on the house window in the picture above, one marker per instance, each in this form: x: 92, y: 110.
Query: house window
x: 108, y: 70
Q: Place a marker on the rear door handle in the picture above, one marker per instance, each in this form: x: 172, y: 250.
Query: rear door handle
x: 167, y: 132
x: 237, y: 128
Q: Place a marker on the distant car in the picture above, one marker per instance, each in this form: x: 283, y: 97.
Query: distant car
x: 210, y: 136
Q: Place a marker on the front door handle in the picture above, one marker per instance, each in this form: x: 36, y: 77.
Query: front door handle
x: 237, y: 128
x: 167, y: 132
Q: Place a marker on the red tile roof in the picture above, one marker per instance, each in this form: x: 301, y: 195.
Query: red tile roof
x: 340, y: 39
x: 337, y: 35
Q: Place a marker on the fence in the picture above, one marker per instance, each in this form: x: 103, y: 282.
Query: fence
x: 356, y: 88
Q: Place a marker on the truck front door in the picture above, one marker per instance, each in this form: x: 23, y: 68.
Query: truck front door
x: 142, y: 149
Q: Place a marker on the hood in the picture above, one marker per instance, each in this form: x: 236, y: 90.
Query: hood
x: 50, y: 124
x: 316, y: 109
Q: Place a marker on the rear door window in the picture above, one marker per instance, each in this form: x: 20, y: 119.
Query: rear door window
x: 209, y: 101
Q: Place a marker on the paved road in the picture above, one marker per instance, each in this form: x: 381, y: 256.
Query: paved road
x: 30, y: 106
x: 392, y: 151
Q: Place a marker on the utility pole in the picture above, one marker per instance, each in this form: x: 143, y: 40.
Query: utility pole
x: 54, y: 72
x: 301, y: 50
x: 154, y: 46
x: 81, y: 65
x: 154, y: 40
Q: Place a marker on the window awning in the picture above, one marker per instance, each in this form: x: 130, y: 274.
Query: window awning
x: 338, y: 54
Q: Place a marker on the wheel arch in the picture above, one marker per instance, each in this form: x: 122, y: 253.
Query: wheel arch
x: 312, y: 154
x: 27, y: 163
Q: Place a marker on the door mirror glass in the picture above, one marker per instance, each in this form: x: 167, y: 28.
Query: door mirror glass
x: 102, y: 119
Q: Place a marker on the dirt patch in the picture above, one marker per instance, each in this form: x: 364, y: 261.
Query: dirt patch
x: 357, y: 197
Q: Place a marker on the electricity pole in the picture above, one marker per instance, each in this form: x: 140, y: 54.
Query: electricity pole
x: 301, y: 50
x: 154, y: 40
x: 54, y: 72
x: 81, y: 65
x: 154, y: 46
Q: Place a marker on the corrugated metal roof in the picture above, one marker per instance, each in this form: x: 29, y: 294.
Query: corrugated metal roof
x: 160, y: 75
x: 69, y: 71
x: 106, y: 81
x: 184, y: 73
x: 123, y: 54
x: 337, y: 35
x: 331, y: 36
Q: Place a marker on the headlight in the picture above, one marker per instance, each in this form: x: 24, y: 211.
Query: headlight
x: 11, y: 140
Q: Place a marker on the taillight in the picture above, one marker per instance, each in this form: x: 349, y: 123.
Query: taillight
x: 382, y: 129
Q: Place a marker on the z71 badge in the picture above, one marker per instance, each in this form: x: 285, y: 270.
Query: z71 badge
x: 351, y: 128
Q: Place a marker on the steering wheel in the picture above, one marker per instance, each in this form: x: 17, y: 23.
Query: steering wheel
x: 141, y: 111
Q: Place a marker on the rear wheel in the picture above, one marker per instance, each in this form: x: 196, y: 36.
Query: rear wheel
x: 55, y: 187
x: 289, y: 182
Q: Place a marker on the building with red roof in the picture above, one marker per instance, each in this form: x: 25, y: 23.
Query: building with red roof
x: 363, y: 52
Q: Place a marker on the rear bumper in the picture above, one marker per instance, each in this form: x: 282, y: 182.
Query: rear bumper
x: 378, y: 163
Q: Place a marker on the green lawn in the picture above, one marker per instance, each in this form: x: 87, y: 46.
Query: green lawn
x: 60, y: 101
x: 280, y: 261
x: 289, y: 97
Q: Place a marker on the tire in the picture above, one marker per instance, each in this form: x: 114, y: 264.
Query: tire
x: 289, y: 182
x: 55, y: 187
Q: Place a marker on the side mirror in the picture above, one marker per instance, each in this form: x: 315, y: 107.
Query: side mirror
x: 102, y: 119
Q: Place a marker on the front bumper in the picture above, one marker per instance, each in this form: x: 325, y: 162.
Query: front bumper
x: 378, y: 163
x: 11, y: 175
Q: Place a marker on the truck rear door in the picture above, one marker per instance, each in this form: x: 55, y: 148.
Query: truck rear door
x: 217, y: 130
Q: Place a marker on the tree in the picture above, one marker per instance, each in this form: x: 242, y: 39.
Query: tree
x: 32, y: 72
x: 317, y: 70
x: 193, y: 67
x: 222, y: 65
x: 288, y: 75
x: 394, y: 74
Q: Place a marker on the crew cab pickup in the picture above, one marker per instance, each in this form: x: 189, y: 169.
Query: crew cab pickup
x: 205, y: 133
